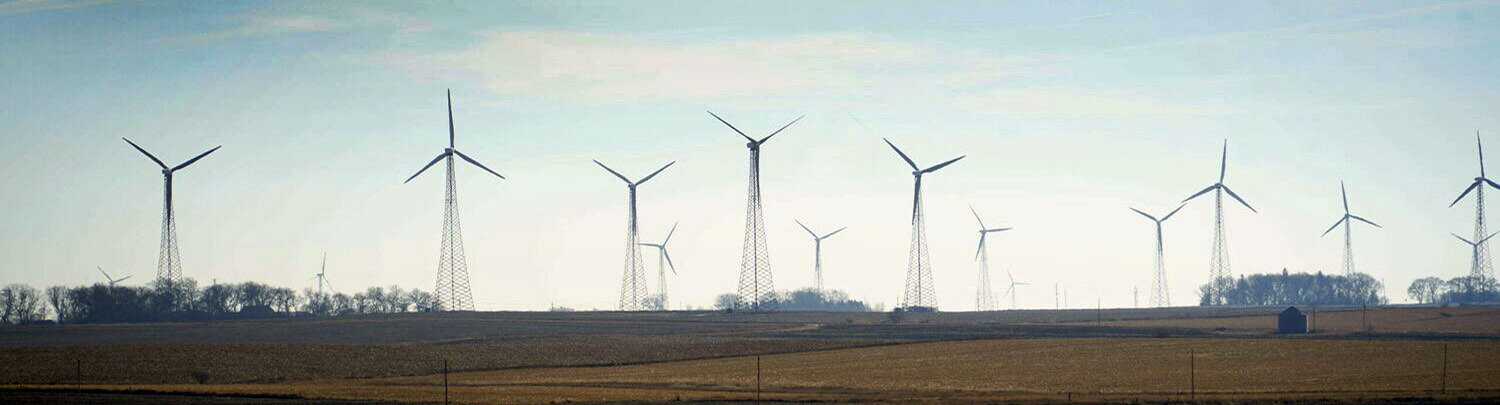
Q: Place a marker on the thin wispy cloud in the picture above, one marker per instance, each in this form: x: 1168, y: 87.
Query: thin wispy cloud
x: 252, y: 25
x: 14, y: 7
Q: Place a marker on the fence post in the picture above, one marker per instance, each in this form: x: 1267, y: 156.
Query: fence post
x: 757, y: 379
x: 445, y: 381
x: 1192, y: 375
x: 1444, y: 387
x: 78, y: 374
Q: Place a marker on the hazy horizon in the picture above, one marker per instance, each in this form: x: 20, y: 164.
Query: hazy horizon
x: 1069, y: 114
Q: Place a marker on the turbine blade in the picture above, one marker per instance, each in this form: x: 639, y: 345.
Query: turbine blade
x: 669, y: 260
x: 805, y: 228
x: 1345, y: 193
x: 1480, y: 143
x: 450, y: 120
x: 434, y: 161
x: 476, y: 163
x: 1224, y: 161
x: 195, y: 158
x: 997, y: 230
x: 1241, y: 200
x: 980, y: 248
x: 1335, y: 225
x: 123, y: 278
x: 1492, y: 184
x: 1465, y: 193
x: 1365, y: 221
x: 1206, y: 190
x: 1462, y: 239
x: 653, y: 174
x: 1487, y: 238
x: 1153, y: 219
x: 768, y: 137
x: 612, y: 171
x: 144, y: 152
x: 669, y: 235
x: 903, y: 154
x: 834, y: 232
x: 976, y: 217
x: 106, y: 275
x: 1174, y: 212
x: 731, y: 126
x: 650, y: 245
x: 941, y: 165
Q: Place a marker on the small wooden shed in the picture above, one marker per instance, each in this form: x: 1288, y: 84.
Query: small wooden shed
x: 1292, y: 320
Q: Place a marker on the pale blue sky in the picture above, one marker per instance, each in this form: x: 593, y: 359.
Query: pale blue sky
x: 1069, y: 112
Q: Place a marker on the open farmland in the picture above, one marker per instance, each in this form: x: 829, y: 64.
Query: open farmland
x: 707, y: 356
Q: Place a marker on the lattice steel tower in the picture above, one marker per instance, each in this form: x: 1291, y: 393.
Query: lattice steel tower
x: 633, y: 294
x: 1347, y: 223
x: 756, y: 290
x: 984, y: 299
x: 168, y: 262
x: 663, y: 261
x: 453, y: 292
x: 1159, y: 295
x: 1480, y: 266
x: 818, y: 255
x: 920, y: 292
x: 1218, y: 268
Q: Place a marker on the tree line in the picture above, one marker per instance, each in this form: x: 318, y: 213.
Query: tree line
x: 806, y: 299
x: 1458, y: 290
x: 1295, y: 289
x: 164, y: 300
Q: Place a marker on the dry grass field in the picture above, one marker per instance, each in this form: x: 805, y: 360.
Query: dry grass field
x: 1031, y: 356
x: 1421, y: 321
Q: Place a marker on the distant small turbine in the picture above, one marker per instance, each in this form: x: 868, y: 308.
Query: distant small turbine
x: 111, y: 280
x: 322, y: 275
x: 984, y: 299
x: 1159, y: 295
x: 1344, y: 220
x: 1012, y: 290
x: 633, y: 294
x: 1474, y: 268
x: 663, y: 260
x: 920, y: 292
x: 818, y: 255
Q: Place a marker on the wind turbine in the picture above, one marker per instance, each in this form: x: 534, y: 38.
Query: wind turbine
x: 1218, y: 269
x: 1012, y: 290
x: 633, y: 295
x: 1159, y: 295
x: 985, y: 298
x: 818, y: 254
x: 919, y: 289
x: 168, y: 263
x: 663, y: 260
x: 1345, y: 220
x: 755, y: 286
x: 1481, y: 266
x: 111, y: 280
x: 322, y: 275
x: 1476, y: 245
x: 453, y: 291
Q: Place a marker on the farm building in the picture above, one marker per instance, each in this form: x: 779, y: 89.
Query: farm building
x: 1292, y: 320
